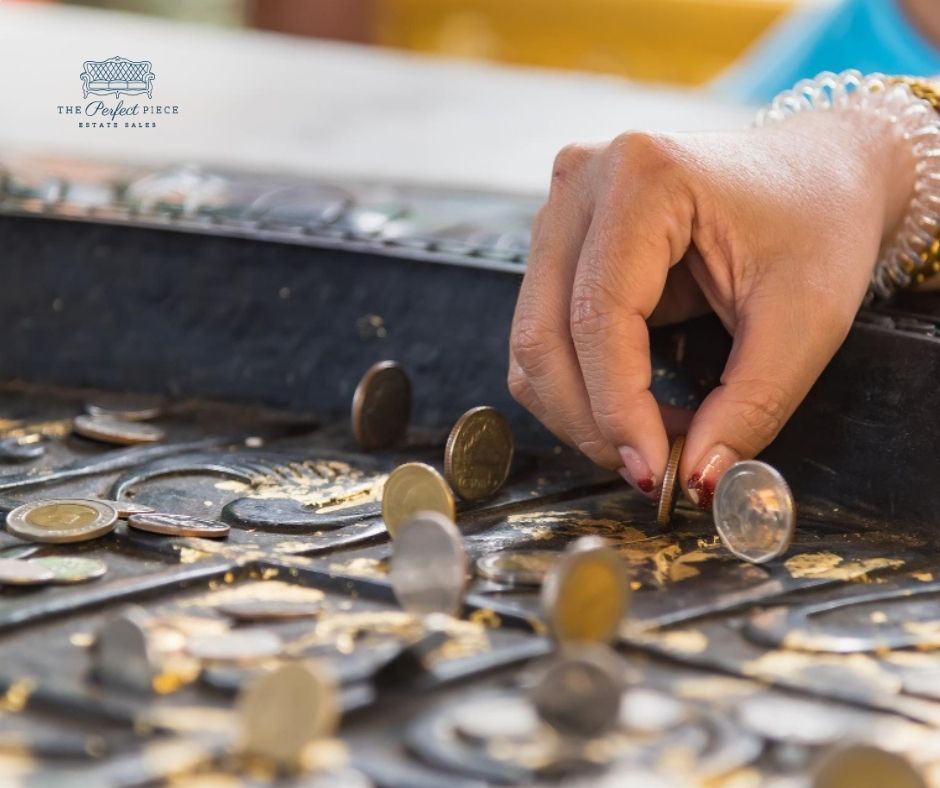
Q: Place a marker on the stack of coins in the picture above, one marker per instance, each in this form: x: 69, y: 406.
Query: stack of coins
x: 120, y: 425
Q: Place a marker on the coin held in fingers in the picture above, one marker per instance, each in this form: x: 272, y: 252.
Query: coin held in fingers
x: 667, y: 494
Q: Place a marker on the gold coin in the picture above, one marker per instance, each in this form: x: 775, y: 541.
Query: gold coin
x: 478, y: 453
x: 381, y: 406
x: 866, y: 766
x: 62, y: 520
x: 411, y: 488
x: 282, y: 712
x: 586, y: 595
x: 667, y: 494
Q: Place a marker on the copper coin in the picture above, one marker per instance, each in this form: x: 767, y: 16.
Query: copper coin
x: 111, y: 430
x: 667, y: 494
x: 478, y: 454
x: 177, y: 525
x: 381, y: 406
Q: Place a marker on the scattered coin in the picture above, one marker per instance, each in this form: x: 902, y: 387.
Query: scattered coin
x: 282, y: 712
x: 517, y: 567
x: 866, y: 766
x: 125, y: 508
x: 62, y: 520
x: 71, y: 568
x: 429, y: 565
x: 754, y: 511
x: 21, y: 449
x: 411, y: 488
x: 483, y: 719
x: 644, y: 710
x: 268, y: 609
x: 579, y: 692
x: 19, y: 551
x: 667, y: 493
x: 140, y: 409
x: 782, y: 718
x: 122, y: 653
x: 111, y: 430
x: 381, y: 406
x: 14, y: 572
x: 178, y: 525
x: 244, y: 645
x: 478, y: 453
x: 586, y: 594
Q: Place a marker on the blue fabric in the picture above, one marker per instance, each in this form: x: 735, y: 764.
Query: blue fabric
x: 870, y: 35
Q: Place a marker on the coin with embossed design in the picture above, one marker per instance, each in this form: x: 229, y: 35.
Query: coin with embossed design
x: 62, y: 520
x: 754, y: 511
x: 381, y: 406
x: 411, y: 488
x: 108, y: 429
x: 478, y: 453
x: 67, y: 569
x: 667, y: 493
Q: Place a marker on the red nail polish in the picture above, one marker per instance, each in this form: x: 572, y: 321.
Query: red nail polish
x: 701, y: 490
x: 702, y: 483
x: 646, y: 485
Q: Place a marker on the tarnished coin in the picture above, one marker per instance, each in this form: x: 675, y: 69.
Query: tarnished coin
x: 517, y: 567
x: 62, y: 520
x: 19, y: 551
x: 110, y: 430
x: 122, y: 654
x: 126, y: 508
x: 579, y: 692
x: 667, y: 493
x: 282, y: 712
x: 866, y: 766
x: 482, y: 719
x: 754, y: 511
x: 429, y: 565
x: 478, y: 453
x: 136, y: 409
x: 411, y: 488
x: 21, y: 449
x: 586, y: 594
x: 178, y: 525
x: 268, y: 609
x: 381, y: 406
x: 23, y: 573
x: 243, y: 645
x: 67, y: 569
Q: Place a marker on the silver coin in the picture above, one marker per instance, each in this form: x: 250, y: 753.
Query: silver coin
x: 178, y: 525
x: 143, y: 409
x: 579, y: 691
x: 62, y: 520
x: 754, y: 511
x: 268, y: 609
x: 483, y: 719
x: 244, y: 645
x: 19, y: 551
x: 67, y: 569
x: 126, y: 508
x: 119, y: 431
x: 17, y: 450
x: 793, y: 720
x: 429, y: 565
x: 517, y: 567
x: 14, y: 572
x: 648, y: 711
x: 123, y: 655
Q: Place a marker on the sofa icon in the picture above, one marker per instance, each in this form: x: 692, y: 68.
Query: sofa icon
x: 117, y: 75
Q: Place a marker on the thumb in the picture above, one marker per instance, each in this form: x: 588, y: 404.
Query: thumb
x: 778, y: 352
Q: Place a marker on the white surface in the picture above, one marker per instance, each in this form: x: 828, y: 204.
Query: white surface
x: 262, y: 101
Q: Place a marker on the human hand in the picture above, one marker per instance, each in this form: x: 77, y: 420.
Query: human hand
x: 776, y: 229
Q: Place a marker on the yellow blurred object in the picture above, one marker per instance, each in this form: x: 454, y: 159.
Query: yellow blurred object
x: 683, y: 41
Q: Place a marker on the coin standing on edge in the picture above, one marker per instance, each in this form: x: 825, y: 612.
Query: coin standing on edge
x: 754, y: 512
x: 67, y: 569
x: 517, y: 567
x: 667, y: 493
x: 62, y: 520
x: 122, y: 653
x: 478, y: 454
x: 586, y: 595
x: 411, y: 488
x: 866, y: 766
x: 178, y: 525
x: 381, y: 406
x: 428, y: 570
x: 282, y: 712
x: 111, y: 430
x: 14, y: 572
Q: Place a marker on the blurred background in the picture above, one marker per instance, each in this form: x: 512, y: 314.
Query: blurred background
x: 683, y: 42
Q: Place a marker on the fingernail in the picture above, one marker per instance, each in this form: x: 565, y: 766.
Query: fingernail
x: 701, y: 484
x: 636, y: 472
